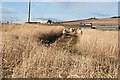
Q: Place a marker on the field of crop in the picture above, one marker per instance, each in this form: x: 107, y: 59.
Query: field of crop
x: 41, y: 51
x: 96, y: 22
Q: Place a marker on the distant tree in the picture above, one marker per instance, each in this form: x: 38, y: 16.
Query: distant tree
x: 49, y: 21
x: 7, y: 22
x: 91, y: 18
x: 94, y: 18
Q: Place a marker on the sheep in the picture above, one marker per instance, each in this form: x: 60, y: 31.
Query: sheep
x: 72, y: 30
x: 64, y: 31
x: 80, y: 32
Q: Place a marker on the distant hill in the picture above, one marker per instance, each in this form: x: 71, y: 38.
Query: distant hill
x: 115, y: 17
x: 113, y: 21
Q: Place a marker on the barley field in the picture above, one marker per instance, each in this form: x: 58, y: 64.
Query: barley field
x: 41, y: 51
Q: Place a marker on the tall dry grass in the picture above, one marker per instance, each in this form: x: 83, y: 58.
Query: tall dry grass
x: 99, y: 42
x: 17, y: 39
x: 103, y: 46
x: 25, y: 56
x: 0, y: 51
x: 51, y: 63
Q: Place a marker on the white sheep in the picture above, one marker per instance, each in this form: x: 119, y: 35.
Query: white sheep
x: 64, y: 31
x: 72, y: 30
x: 80, y: 32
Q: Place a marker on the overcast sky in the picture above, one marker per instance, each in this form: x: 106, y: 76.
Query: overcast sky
x: 17, y: 11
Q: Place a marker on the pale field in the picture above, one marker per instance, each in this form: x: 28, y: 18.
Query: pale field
x: 97, y: 22
x: 26, y: 53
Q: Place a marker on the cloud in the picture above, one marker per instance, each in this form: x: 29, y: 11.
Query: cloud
x: 6, y: 10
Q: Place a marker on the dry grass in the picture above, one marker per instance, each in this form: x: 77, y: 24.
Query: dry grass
x: 49, y: 63
x: 0, y: 51
x: 17, y: 39
x: 99, y: 42
x: 25, y: 56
